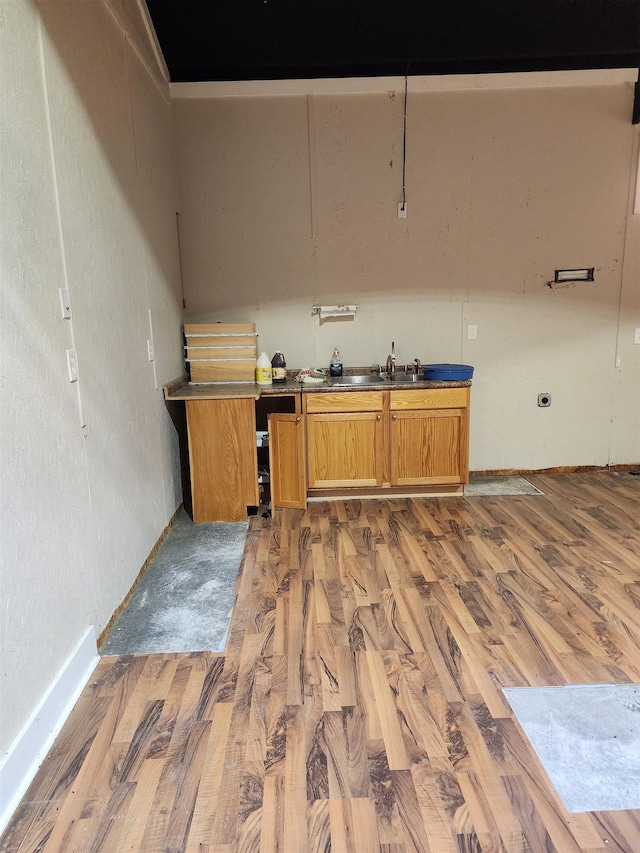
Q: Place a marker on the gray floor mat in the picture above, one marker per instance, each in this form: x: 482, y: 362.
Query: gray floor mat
x: 588, y: 740
x: 500, y: 485
x: 184, y: 599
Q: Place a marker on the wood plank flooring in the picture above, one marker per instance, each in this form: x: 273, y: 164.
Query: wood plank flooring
x: 359, y: 705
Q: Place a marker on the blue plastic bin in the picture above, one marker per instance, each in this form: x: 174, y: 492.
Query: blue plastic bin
x: 451, y: 372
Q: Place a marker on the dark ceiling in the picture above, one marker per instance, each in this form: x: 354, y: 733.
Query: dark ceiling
x: 287, y: 39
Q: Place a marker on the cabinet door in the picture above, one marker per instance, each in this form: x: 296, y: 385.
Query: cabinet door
x: 345, y: 450
x: 429, y: 446
x: 287, y: 460
x: 223, y: 459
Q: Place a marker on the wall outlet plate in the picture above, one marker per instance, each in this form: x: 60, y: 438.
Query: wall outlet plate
x: 72, y: 365
x: 65, y: 304
x: 402, y: 210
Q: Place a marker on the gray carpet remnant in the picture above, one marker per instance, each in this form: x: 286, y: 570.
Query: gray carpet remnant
x: 588, y: 740
x: 183, y: 601
x: 500, y: 485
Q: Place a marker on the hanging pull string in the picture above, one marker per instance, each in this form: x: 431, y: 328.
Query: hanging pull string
x: 404, y: 124
x: 404, y: 145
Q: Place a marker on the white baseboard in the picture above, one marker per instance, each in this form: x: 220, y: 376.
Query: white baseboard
x: 29, y: 749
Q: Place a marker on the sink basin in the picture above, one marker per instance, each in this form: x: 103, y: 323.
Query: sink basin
x: 404, y: 377
x: 360, y: 379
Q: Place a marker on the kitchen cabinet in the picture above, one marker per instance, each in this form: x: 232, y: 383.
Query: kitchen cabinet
x: 429, y: 437
x: 222, y: 458
x: 387, y: 440
x: 345, y: 440
x: 321, y: 443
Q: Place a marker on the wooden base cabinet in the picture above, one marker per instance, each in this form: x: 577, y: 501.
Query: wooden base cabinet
x: 429, y: 436
x: 391, y: 441
x: 345, y: 445
x: 222, y: 457
x: 372, y: 440
x: 426, y: 448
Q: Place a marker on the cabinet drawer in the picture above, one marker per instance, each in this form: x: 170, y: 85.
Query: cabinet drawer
x: 347, y: 401
x: 430, y: 398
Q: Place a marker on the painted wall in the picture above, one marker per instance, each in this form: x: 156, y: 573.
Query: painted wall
x: 89, y: 475
x: 287, y: 201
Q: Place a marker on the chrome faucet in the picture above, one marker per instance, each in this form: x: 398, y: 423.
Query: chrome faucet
x: 414, y: 367
x: 391, y: 360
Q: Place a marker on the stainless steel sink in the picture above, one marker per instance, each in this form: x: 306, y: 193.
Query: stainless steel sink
x: 360, y: 379
x: 404, y: 377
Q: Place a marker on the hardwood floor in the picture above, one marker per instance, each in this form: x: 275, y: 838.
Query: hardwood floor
x: 358, y: 706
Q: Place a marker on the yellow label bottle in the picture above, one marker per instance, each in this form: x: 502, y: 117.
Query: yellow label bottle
x: 264, y: 375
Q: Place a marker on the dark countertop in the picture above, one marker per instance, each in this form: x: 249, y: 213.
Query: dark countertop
x: 388, y: 385
x: 180, y: 389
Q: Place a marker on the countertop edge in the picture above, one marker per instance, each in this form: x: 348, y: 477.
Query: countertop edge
x: 180, y: 389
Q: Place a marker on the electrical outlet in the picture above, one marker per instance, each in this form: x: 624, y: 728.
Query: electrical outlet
x: 472, y: 332
x: 150, y: 350
x: 636, y: 337
x: 544, y: 400
x: 65, y: 304
x: 72, y: 365
x: 402, y: 210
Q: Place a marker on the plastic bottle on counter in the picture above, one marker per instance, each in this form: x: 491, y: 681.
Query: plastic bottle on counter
x: 264, y: 374
x: 335, y: 368
x: 279, y: 367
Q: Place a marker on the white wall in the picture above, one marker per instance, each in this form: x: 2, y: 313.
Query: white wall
x: 290, y: 200
x: 89, y: 474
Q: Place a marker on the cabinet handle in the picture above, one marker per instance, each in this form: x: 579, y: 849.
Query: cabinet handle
x: 298, y: 419
x: 394, y: 417
x: 378, y: 417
